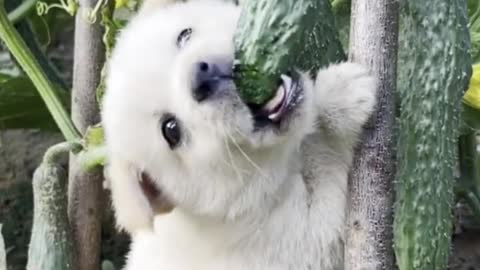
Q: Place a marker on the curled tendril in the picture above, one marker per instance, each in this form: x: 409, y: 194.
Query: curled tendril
x: 70, y: 7
x: 90, y: 15
x: 42, y: 8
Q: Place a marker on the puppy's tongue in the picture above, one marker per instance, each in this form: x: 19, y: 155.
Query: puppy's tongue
x: 275, y: 106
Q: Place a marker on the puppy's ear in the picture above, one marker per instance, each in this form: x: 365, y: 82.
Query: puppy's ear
x: 134, y: 196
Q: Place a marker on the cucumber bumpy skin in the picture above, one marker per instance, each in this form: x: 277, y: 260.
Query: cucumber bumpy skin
x: 439, y: 66
x: 50, y: 243
x: 274, y: 36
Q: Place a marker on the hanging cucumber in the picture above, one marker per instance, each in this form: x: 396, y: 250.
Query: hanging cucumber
x: 438, y: 67
x: 275, y: 36
x: 50, y: 243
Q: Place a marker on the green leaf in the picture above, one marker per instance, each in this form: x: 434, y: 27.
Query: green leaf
x: 474, y: 28
x: 94, y: 136
x: 94, y: 152
x: 22, y: 107
x: 128, y: 4
x: 472, y: 96
x: 473, y: 6
x: 4, y: 77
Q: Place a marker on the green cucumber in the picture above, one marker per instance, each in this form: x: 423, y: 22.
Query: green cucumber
x: 438, y: 68
x: 275, y: 37
x: 51, y: 243
x: 320, y: 46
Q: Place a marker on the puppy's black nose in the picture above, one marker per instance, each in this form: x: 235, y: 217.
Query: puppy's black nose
x: 210, y: 78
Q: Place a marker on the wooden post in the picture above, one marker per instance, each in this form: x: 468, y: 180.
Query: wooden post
x: 85, y: 189
x: 374, y: 43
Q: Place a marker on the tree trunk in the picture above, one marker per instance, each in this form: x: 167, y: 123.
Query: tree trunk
x: 85, y: 189
x: 374, y: 43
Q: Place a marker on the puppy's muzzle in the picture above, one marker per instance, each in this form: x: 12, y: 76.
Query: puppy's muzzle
x: 211, y: 78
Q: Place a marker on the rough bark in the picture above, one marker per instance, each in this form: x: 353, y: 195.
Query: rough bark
x: 85, y: 189
x: 374, y: 43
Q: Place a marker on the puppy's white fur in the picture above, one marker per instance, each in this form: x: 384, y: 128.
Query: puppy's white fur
x: 245, y: 199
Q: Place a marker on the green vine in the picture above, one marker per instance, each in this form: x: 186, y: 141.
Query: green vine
x: 53, y: 153
x: 112, y: 27
x: 21, y: 11
x: 70, y: 6
x: 91, y: 15
x: 16, y: 45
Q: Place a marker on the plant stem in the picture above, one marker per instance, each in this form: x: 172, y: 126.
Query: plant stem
x: 90, y: 159
x: 53, y: 153
x: 23, y: 55
x: 21, y: 11
x: 469, y: 172
x: 85, y: 192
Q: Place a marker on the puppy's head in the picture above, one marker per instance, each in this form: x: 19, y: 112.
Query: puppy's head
x: 172, y: 110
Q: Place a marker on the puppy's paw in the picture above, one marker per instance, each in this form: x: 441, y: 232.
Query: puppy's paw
x: 345, y: 97
x: 348, y: 82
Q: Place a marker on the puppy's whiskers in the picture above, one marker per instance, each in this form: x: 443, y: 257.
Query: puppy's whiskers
x: 246, y: 156
x: 237, y: 130
x: 231, y: 163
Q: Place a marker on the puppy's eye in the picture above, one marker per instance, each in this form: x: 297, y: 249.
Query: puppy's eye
x: 171, y: 132
x: 184, y: 37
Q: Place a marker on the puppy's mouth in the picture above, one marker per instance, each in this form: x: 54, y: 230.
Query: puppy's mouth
x: 158, y: 201
x: 277, y: 110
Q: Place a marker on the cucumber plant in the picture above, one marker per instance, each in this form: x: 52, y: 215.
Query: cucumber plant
x: 438, y: 41
x: 51, y: 240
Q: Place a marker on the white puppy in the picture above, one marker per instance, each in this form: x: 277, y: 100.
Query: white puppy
x: 246, y: 194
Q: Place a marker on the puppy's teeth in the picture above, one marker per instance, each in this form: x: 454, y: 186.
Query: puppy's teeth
x: 276, y: 100
x: 274, y: 116
x: 287, y: 81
